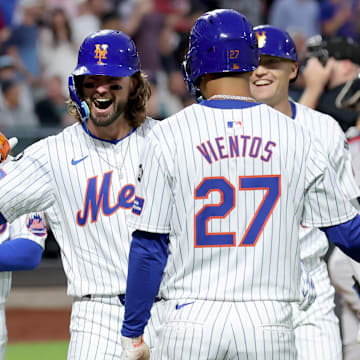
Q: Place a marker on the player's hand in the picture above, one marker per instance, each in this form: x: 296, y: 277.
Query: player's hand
x: 134, y: 349
x: 307, y: 290
x: 316, y: 75
x: 6, y: 146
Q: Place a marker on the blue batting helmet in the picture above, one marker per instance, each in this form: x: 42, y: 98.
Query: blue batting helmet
x: 220, y: 41
x: 273, y: 41
x: 105, y: 52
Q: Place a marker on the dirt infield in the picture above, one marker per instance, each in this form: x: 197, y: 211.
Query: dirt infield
x: 29, y: 325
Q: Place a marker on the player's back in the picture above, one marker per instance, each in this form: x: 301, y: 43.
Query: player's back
x: 238, y: 177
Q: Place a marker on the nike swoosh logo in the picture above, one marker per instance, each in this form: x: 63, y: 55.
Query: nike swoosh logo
x: 179, y: 306
x: 75, y: 162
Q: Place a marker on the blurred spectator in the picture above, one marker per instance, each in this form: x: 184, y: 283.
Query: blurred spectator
x: 10, y: 69
x: 69, y: 6
x: 252, y: 9
x: 24, y: 38
x: 52, y: 109
x: 323, y: 83
x: 145, y: 25
x: 168, y: 95
x: 7, y: 9
x: 57, y: 43
x: 300, y: 18
x: 340, y: 18
x: 12, y: 114
x: 110, y: 20
x: 89, y: 13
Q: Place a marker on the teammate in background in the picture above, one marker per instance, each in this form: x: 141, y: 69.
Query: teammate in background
x: 21, y: 247
x: 221, y: 190
x: 341, y: 270
x: 317, y: 331
x: 83, y: 179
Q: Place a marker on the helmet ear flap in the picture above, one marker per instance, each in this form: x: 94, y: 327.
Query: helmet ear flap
x: 81, y: 106
x: 192, y: 87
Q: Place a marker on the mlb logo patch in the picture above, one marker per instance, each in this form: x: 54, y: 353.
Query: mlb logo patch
x: 2, y: 174
x: 234, y: 124
x: 138, y: 206
x: 36, y: 224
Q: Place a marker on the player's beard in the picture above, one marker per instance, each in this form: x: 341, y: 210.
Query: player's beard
x: 104, y: 120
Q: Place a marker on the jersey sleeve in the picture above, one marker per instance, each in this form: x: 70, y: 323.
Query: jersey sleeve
x: 31, y: 226
x: 340, y: 159
x: 26, y: 184
x: 324, y: 202
x: 153, y: 201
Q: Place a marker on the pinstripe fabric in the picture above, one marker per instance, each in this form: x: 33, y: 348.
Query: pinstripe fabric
x: 317, y: 330
x: 95, y: 328
x: 173, y: 168
x: 94, y: 239
x: 354, y: 143
x: 17, y: 229
x: 213, y: 330
x: 86, y: 187
x: 331, y: 138
x: 5, y: 286
x: 193, y: 186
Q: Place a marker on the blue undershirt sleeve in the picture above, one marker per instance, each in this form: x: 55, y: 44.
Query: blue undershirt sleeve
x: 2, y: 219
x: 346, y: 236
x: 147, y: 260
x: 19, y: 254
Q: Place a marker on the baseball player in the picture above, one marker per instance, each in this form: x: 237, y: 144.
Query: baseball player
x: 21, y: 247
x: 317, y: 332
x: 221, y: 189
x: 83, y: 179
x: 341, y: 270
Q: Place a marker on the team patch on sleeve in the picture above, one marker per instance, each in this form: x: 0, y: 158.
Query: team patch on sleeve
x: 3, y: 228
x: 2, y: 174
x: 36, y: 224
x: 138, y: 206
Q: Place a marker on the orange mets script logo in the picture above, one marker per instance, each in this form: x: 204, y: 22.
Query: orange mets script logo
x: 100, y: 52
x: 261, y: 38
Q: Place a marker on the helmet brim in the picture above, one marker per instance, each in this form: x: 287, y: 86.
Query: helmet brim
x: 106, y: 70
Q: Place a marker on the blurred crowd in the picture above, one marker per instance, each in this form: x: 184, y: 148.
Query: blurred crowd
x: 39, y: 40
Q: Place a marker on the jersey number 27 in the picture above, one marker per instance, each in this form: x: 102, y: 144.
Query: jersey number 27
x: 270, y: 183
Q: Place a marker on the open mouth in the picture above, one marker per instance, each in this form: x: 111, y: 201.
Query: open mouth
x: 262, y: 82
x: 102, y: 104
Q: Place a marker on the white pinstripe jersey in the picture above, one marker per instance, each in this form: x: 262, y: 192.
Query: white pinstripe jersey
x: 32, y: 227
x: 231, y: 187
x: 354, y: 143
x: 328, y: 134
x: 75, y: 178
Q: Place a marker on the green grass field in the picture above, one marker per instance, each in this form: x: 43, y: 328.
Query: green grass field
x: 56, y: 350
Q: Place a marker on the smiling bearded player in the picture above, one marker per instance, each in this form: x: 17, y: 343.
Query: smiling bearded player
x: 83, y: 178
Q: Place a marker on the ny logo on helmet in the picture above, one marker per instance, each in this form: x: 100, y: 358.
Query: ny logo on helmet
x: 261, y: 38
x: 100, y: 52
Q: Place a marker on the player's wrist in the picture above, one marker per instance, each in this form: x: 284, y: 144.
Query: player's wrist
x: 132, y: 341
x: 134, y: 348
